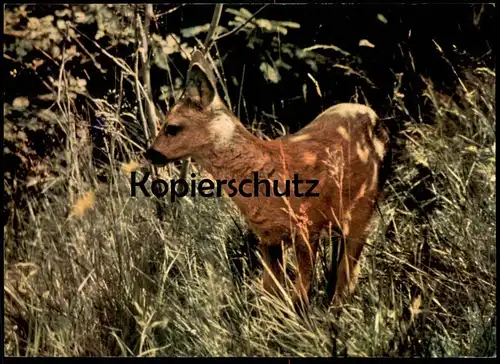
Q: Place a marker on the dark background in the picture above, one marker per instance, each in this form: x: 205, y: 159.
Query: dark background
x: 405, y: 45
x: 463, y: 31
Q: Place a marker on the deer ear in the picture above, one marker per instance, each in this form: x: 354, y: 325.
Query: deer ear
x: 200, y: 86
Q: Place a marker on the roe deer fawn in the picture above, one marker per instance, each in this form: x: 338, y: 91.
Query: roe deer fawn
x: 343, y: 149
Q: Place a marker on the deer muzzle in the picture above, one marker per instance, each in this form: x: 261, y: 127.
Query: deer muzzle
x: 156, y: 158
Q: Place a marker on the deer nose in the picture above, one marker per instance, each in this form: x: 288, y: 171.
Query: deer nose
x: 156, y: 157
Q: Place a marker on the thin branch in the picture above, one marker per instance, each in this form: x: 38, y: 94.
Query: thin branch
x: 96, y: 64
x: 139, y: 101
x: 145, y: 73
x: 119, y: 62
x: 168, y: 11
x: 213, y: 25
x: 221, y: 78
x: 241, y: 26
x: 120, y: 97
x: 146, y: 78
x: 241, y: 90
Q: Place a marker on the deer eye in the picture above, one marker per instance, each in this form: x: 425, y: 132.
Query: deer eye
x: 172, y: 130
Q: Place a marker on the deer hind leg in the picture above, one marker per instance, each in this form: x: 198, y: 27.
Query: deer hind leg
x: 273, y: 258
x: 353, y: 241
x: 337, y: 244
x: 306, y: 257
x: 349, y: 267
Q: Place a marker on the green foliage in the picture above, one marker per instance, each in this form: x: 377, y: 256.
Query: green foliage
x: 114, y: 280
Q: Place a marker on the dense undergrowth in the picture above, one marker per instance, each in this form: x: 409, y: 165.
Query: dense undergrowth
x: 90, y: 270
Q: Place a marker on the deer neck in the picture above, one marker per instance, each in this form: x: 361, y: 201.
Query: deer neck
x: 237, y: 157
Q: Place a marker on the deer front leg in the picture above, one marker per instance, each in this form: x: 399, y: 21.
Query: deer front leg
x: 273, y: 258
x: 306, y: 258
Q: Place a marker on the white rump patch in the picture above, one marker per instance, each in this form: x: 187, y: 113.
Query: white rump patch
x: 222, y: 129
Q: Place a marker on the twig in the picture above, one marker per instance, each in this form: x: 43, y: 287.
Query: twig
x: 148, y: 99
x: 213, y: 25
x: 222, y: 77
x: 146, y: 75
x: 241, y: 90
x: 120, y: 97
x: 119, y: 62
x: 96, y: 64
x: 139, y: 101
x: 168, y: 11
x: 241, y: 26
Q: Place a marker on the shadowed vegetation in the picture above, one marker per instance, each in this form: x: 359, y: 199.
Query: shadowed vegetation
x: 90, y: 270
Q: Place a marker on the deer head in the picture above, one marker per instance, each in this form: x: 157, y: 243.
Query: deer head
x: 197, y: 122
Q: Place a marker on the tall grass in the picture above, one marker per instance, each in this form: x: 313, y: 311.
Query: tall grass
x: 96, y: 273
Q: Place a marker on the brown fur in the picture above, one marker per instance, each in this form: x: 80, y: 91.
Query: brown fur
x: 337, y: 148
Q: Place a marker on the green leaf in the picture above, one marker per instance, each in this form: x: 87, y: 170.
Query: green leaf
x: 21, y: 103
x: 194, y: 31
x: 270, y: 73
x: 289, y: 24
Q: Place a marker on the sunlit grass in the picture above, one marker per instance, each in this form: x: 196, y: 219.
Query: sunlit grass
x: 102, y: 275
